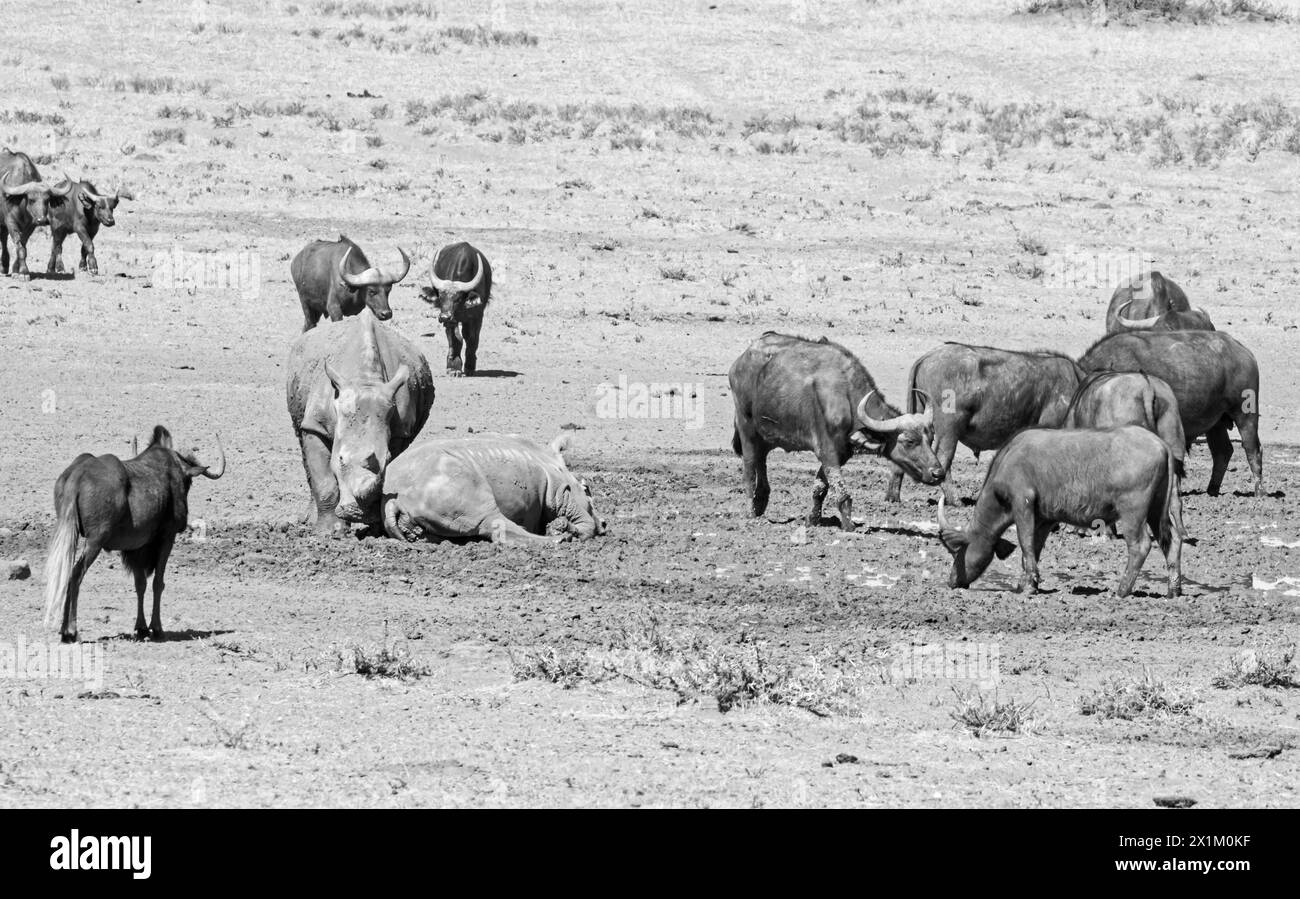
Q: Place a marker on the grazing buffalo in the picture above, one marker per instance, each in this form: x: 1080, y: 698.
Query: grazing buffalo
x: 1214, y: 378
x: 1108, y: 399
x: 1046, y: 476
x: 1174, y: 320
x: 983, y: 395
x: 1148, y: 294
x: 81, y: 212
x: 334, y: 278
x: 462, y: 287
x: 137, y: 507
x: 24, y: 200
x: 797, y: 394
x: 506, y: 488
x: 358, y: 394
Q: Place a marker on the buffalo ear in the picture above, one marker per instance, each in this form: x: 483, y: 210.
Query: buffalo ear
x: 953, y: 540
x: 87, y: 202
x: 1003, y: 548
x: 474, y: 301
x: 867, y: 440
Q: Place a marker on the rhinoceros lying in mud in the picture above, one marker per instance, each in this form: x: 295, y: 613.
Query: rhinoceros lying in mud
x: 501, y: 486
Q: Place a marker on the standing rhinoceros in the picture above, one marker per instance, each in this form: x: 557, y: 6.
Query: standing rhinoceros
x: 500, y: 486
x: 358, y: 394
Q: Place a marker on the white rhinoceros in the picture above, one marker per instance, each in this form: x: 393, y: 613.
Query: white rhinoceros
x: 504, y: 487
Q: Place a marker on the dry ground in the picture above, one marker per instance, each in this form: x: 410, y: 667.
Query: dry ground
x: 654, y: 189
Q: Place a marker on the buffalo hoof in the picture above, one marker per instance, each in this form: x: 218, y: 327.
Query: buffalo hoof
x: 142, y: 633
x: 68, y: 638
x: 156, y: 634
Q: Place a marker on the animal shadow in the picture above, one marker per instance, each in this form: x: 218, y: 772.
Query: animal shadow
x: 184, y: 636
x: 48, y: 276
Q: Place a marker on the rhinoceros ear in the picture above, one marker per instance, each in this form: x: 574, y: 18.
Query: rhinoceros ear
x: 403, y: 373
x: 335, y: 382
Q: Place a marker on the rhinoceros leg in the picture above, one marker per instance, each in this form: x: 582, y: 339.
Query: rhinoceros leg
x: 320, y: 478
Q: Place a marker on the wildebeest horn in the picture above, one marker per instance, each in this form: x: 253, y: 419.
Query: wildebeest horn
x: 207, y: 469
x: 369, y: 278
x: 898, y: 423
x: 461, y: 286
x: 1135, y: 322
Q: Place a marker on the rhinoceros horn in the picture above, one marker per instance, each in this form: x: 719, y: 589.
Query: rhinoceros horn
x: 903, y: 422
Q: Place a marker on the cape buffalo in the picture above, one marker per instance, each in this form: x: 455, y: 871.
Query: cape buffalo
x: 81, y: 212
x: 1046, y: 476
x: 797, y: 394
x: 1174, y: 320
x: 1148, y: 294
x: 137, y: 507
x: 1109, y: 399
x: 23, y: 206
x: 1214, y: 378
x: 334, y: 278
x: 503, y: 487
x: 462, y: 287
x: 983, y: 395
x: 358, y: 394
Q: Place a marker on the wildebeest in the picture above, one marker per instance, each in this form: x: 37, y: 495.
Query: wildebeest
x: 23, y: 206
x: 462, y: 287
x: 358, y: 394
x: 1045, y: 476
x: 1214, y: 378
x: 334, y: 278
x: 983, y: 395
x: 501, y: 486
x: 1108, y: 399
x: 136, y: 506
x: 81, y: 211
x: 797, y: 394
x: 1148, y: 294
x: 1174, y: 320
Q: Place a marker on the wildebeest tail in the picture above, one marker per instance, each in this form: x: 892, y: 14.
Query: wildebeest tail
x: 62, y: 554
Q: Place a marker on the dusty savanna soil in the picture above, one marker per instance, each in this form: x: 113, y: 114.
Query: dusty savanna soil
x: 653, y: 210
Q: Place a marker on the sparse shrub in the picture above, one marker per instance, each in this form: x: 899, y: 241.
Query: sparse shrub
x: 160, y: 136
x: 981, y: 715
x: 1131, y: 699
x: 60, y: 82
x: 1259, y: 669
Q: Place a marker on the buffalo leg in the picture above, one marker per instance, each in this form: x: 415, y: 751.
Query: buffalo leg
x: 88, y: 253
x: 454, y: 363
x: 141, y: 581
x: 1171, y: 543
x: 55, y: 265
x: 159, y: 582
x: 310, y: 316
x: 1139, y: 545
x: 894, y: 489
x: 20, y: 253
x: 820, y: 488
x: 320, y: 478
x: 1248, y: 426
x: 945, y: 450
x: 1031, y: 543
x: 1220, y: 451
x: 4, y: 248
x: 470, y: 329
x: 85, y: 558
x: 754, y: 458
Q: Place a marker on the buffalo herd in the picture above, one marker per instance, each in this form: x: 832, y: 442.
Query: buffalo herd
x: 1098, y: 440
